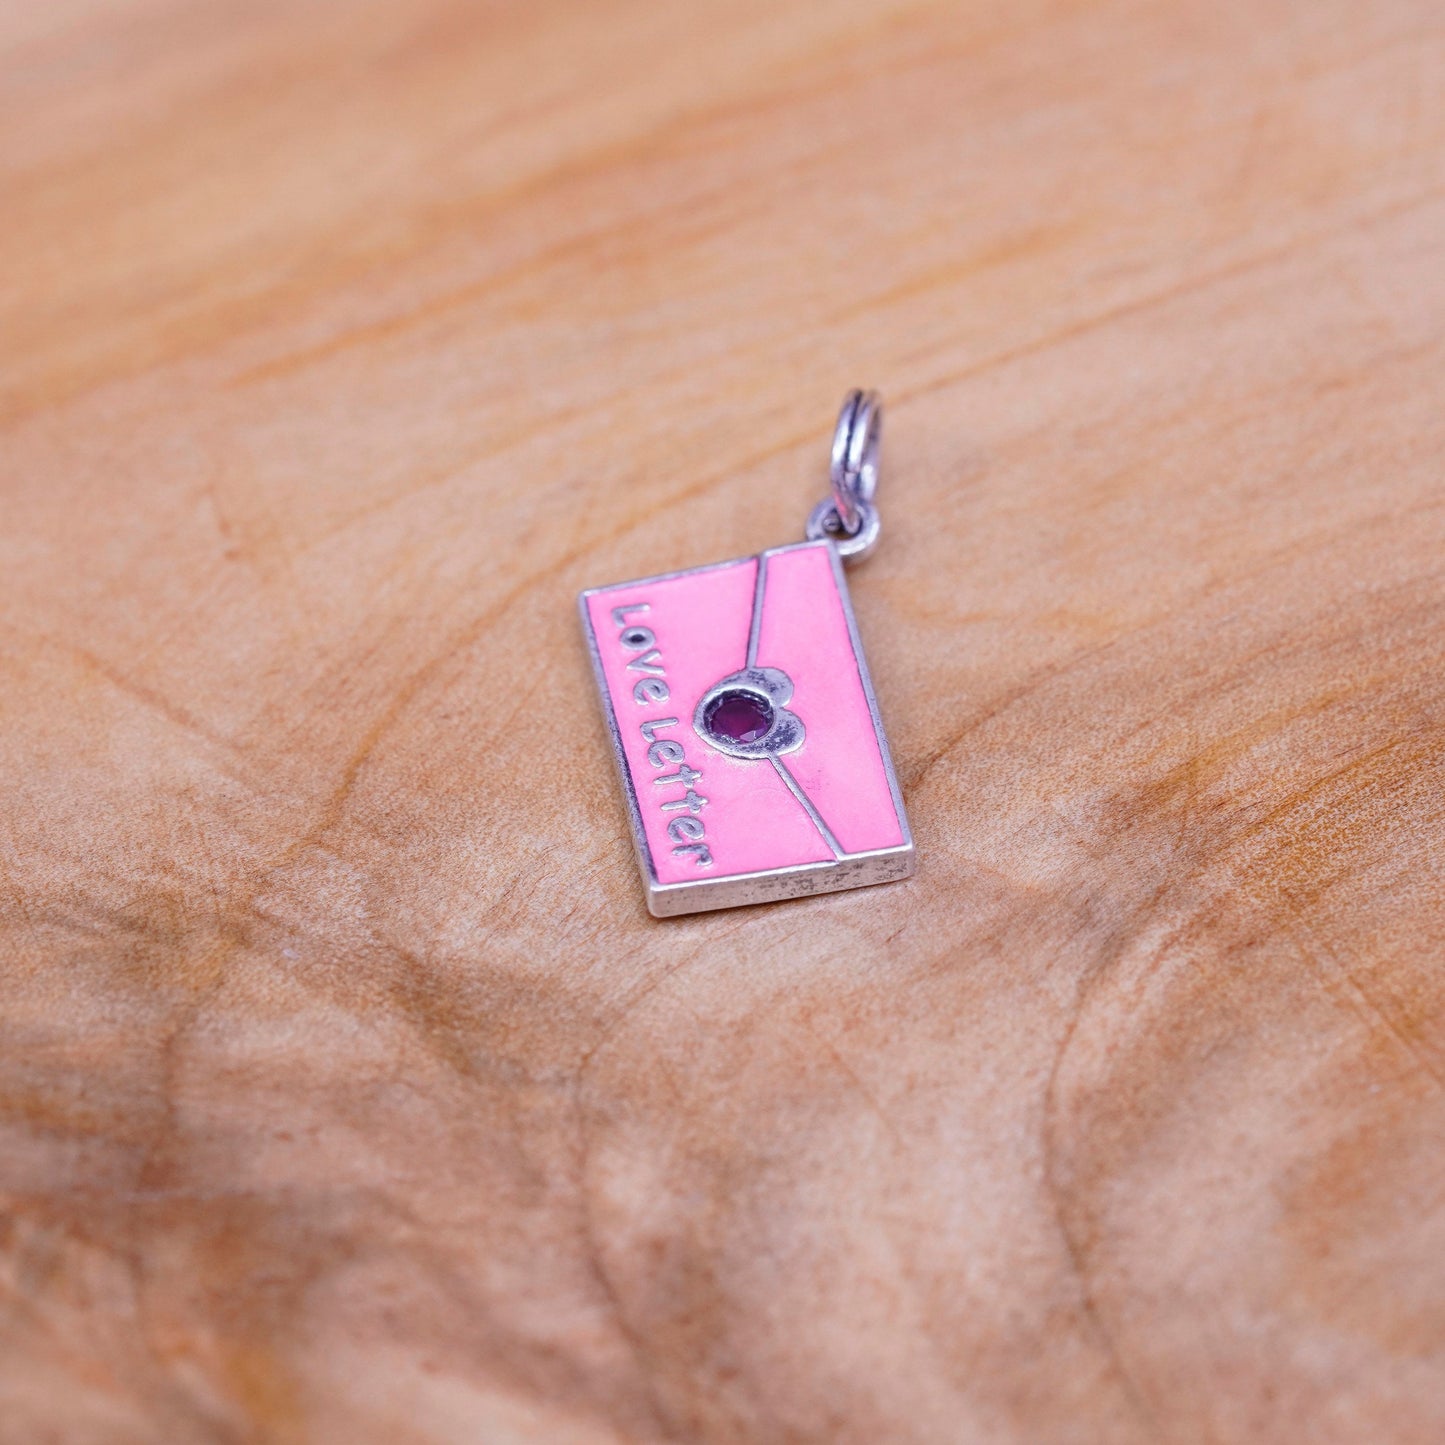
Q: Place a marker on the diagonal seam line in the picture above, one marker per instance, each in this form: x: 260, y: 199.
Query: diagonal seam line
x: 755, y: 632
x: 807, y: 803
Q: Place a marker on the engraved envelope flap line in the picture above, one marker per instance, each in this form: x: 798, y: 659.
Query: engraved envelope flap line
x: 842, y: 776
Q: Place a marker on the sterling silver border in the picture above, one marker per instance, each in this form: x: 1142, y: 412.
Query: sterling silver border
x: 736, y: 890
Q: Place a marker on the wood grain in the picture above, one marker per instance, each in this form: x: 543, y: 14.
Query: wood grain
x: 347, y: 1093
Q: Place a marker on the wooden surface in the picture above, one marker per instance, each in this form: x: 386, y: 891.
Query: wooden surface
x: 347, y: 1093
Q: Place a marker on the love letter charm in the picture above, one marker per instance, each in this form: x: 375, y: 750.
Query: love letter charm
x: 743, y: 722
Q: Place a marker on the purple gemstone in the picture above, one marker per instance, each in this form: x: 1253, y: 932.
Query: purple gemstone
x: 740, y: 717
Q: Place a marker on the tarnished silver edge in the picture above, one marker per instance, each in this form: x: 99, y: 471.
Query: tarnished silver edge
x: 775, y: 885
x: 690, y: 571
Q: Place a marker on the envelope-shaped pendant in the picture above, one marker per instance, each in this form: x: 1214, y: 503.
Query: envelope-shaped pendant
x: 746, y: 732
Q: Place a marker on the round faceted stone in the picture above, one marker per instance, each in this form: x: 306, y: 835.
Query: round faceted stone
x: 739, y: 717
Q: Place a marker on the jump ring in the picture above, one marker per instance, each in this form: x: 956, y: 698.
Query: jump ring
x: 853, y: 470
x: 825, y: 524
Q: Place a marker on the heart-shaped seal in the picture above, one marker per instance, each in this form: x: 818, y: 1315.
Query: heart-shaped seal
x: 744, y: 715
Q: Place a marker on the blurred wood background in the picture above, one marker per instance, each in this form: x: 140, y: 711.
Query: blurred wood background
x: 348, y: 1094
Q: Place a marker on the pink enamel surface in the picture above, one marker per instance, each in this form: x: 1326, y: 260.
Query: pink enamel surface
x: 839, y: 766
x: 701, y: 622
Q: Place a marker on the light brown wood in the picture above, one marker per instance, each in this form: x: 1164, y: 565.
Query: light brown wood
x: 347, y: 1093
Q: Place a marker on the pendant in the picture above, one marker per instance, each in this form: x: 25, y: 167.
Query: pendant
x: 742, y: 718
